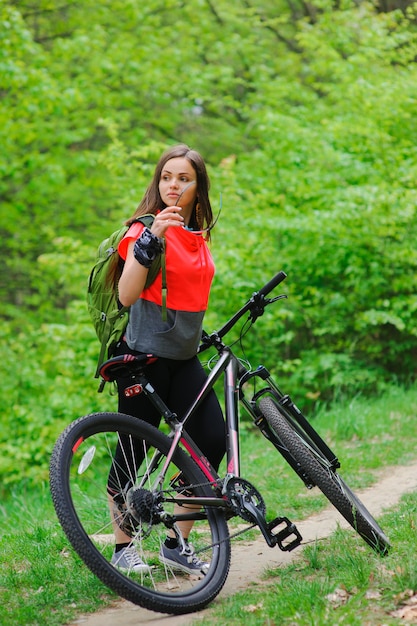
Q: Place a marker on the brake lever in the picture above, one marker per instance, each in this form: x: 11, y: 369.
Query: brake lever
x: 258, y: 307
x: 260, y: 303
x: 206, y: 342
x: 283, y: 296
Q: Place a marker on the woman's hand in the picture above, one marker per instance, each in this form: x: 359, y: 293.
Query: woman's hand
x: 170, y: 216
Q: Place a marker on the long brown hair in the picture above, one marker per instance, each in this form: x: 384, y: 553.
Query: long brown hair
x: 202, y: 215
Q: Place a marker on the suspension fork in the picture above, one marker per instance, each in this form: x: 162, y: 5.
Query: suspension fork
x: 289, y: 410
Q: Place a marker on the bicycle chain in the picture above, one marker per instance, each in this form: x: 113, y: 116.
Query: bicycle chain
x: 217, y: 543
x: 228, y: 538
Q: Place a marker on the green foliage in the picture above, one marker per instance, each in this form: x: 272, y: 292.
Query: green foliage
x: 46, y: 382
x: 305, y: 114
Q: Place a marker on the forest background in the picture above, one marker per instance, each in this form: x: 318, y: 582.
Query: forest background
x: 306, y: 115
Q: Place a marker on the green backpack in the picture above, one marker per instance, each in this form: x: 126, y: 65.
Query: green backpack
x: 108, y: 316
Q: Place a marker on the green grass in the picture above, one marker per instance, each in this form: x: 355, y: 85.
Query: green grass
x: 335, y: 581
x: 42, y: 581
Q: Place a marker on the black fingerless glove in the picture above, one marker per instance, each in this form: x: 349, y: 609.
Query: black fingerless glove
x: 147, y: 247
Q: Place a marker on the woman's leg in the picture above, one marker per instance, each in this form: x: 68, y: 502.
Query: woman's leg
x: 128, y: 457
x: 207, y: 426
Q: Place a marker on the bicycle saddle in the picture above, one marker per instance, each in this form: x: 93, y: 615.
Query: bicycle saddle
x: 125, y: 365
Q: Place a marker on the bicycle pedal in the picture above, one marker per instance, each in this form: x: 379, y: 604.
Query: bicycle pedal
x: 281, y: 537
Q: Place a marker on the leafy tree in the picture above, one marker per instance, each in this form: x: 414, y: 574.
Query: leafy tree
x: 305, y: 114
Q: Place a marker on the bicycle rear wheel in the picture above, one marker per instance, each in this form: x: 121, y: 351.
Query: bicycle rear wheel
x: 320, y: 473
x: 79, y: 471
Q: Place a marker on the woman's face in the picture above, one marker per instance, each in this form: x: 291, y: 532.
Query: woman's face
x: 176, y: 174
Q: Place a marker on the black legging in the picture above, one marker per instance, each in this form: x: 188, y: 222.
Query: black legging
x: 177, y: 383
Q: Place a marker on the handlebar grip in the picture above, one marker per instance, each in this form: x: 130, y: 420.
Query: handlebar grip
x: 276, y: 280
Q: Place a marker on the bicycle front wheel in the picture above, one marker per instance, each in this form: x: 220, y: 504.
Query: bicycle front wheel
x: 81, y: 461
x: 320, y: 473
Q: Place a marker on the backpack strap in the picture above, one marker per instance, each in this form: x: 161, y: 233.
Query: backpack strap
x: 106, y: 336
x: 164, y: 282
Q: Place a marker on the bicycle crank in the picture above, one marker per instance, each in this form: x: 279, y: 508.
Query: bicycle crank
x: 240, y: 494
x: 246, y: 501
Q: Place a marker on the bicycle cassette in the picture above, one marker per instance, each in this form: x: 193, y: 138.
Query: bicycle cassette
x: 240, y: 493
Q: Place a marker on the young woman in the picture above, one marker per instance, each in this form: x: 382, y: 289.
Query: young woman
x: 178, y: 196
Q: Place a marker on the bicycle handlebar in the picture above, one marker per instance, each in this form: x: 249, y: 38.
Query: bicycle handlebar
x: 276, y: 280
x: 257, y: 300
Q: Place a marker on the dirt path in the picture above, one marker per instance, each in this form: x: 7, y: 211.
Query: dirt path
x: 251, y: 559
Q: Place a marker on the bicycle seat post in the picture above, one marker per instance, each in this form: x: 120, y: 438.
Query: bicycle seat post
x: 170, y: 417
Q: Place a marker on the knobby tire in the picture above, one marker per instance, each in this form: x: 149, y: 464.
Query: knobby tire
x: 79, y: 470
x: 321, y: 474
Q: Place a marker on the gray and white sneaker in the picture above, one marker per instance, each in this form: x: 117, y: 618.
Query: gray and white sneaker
x: 128, y: 560
x: 183, y: 559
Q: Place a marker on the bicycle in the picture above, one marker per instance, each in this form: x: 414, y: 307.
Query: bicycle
x: 176, y: 472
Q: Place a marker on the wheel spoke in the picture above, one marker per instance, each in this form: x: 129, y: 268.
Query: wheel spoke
x: 82, y: 504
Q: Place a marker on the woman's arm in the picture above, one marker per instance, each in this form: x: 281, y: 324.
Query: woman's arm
x: 133, y: 278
